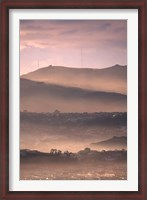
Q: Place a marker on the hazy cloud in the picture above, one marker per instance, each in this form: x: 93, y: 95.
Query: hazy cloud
x: 62, y: 37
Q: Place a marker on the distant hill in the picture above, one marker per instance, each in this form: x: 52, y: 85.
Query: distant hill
x: 42, y: 97
x: 75, y: 119
x: 112, y: 143
x: 112, y: 79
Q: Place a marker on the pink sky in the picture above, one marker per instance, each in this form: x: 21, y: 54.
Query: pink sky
x: 59, y: 42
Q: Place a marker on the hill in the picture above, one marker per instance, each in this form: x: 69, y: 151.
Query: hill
x: 42, y: 97
x: 112, y: 143
x: 111, y: 79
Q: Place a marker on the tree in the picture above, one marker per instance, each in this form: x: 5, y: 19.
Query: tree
x: 53, y: 151
x: 87, y: 150
x: 67, y: 153
x: 59, y: 152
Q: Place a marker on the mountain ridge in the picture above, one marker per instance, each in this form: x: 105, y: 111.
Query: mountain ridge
x: 118, y: 142
x: 51, y: 97
x: 76, y: 68
x: 111, y: 79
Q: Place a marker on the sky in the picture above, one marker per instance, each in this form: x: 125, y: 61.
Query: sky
x: 72, y: 43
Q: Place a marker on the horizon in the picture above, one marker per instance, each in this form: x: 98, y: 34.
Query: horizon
x: 59, y: 66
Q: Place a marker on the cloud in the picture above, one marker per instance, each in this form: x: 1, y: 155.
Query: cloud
x: 63, y: 39
x: 43, y: 34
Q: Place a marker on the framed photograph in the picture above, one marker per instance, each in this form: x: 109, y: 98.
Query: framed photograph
x: 73, y: 99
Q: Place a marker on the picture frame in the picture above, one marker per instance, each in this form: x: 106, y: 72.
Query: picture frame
x: 5, y: 193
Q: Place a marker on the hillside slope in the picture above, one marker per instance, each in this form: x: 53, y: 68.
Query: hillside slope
x: 42, y: 97
x: 112, y: 79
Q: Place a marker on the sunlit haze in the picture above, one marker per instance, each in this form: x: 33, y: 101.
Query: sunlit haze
x: 73, y: 100
x: 72, y: 43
